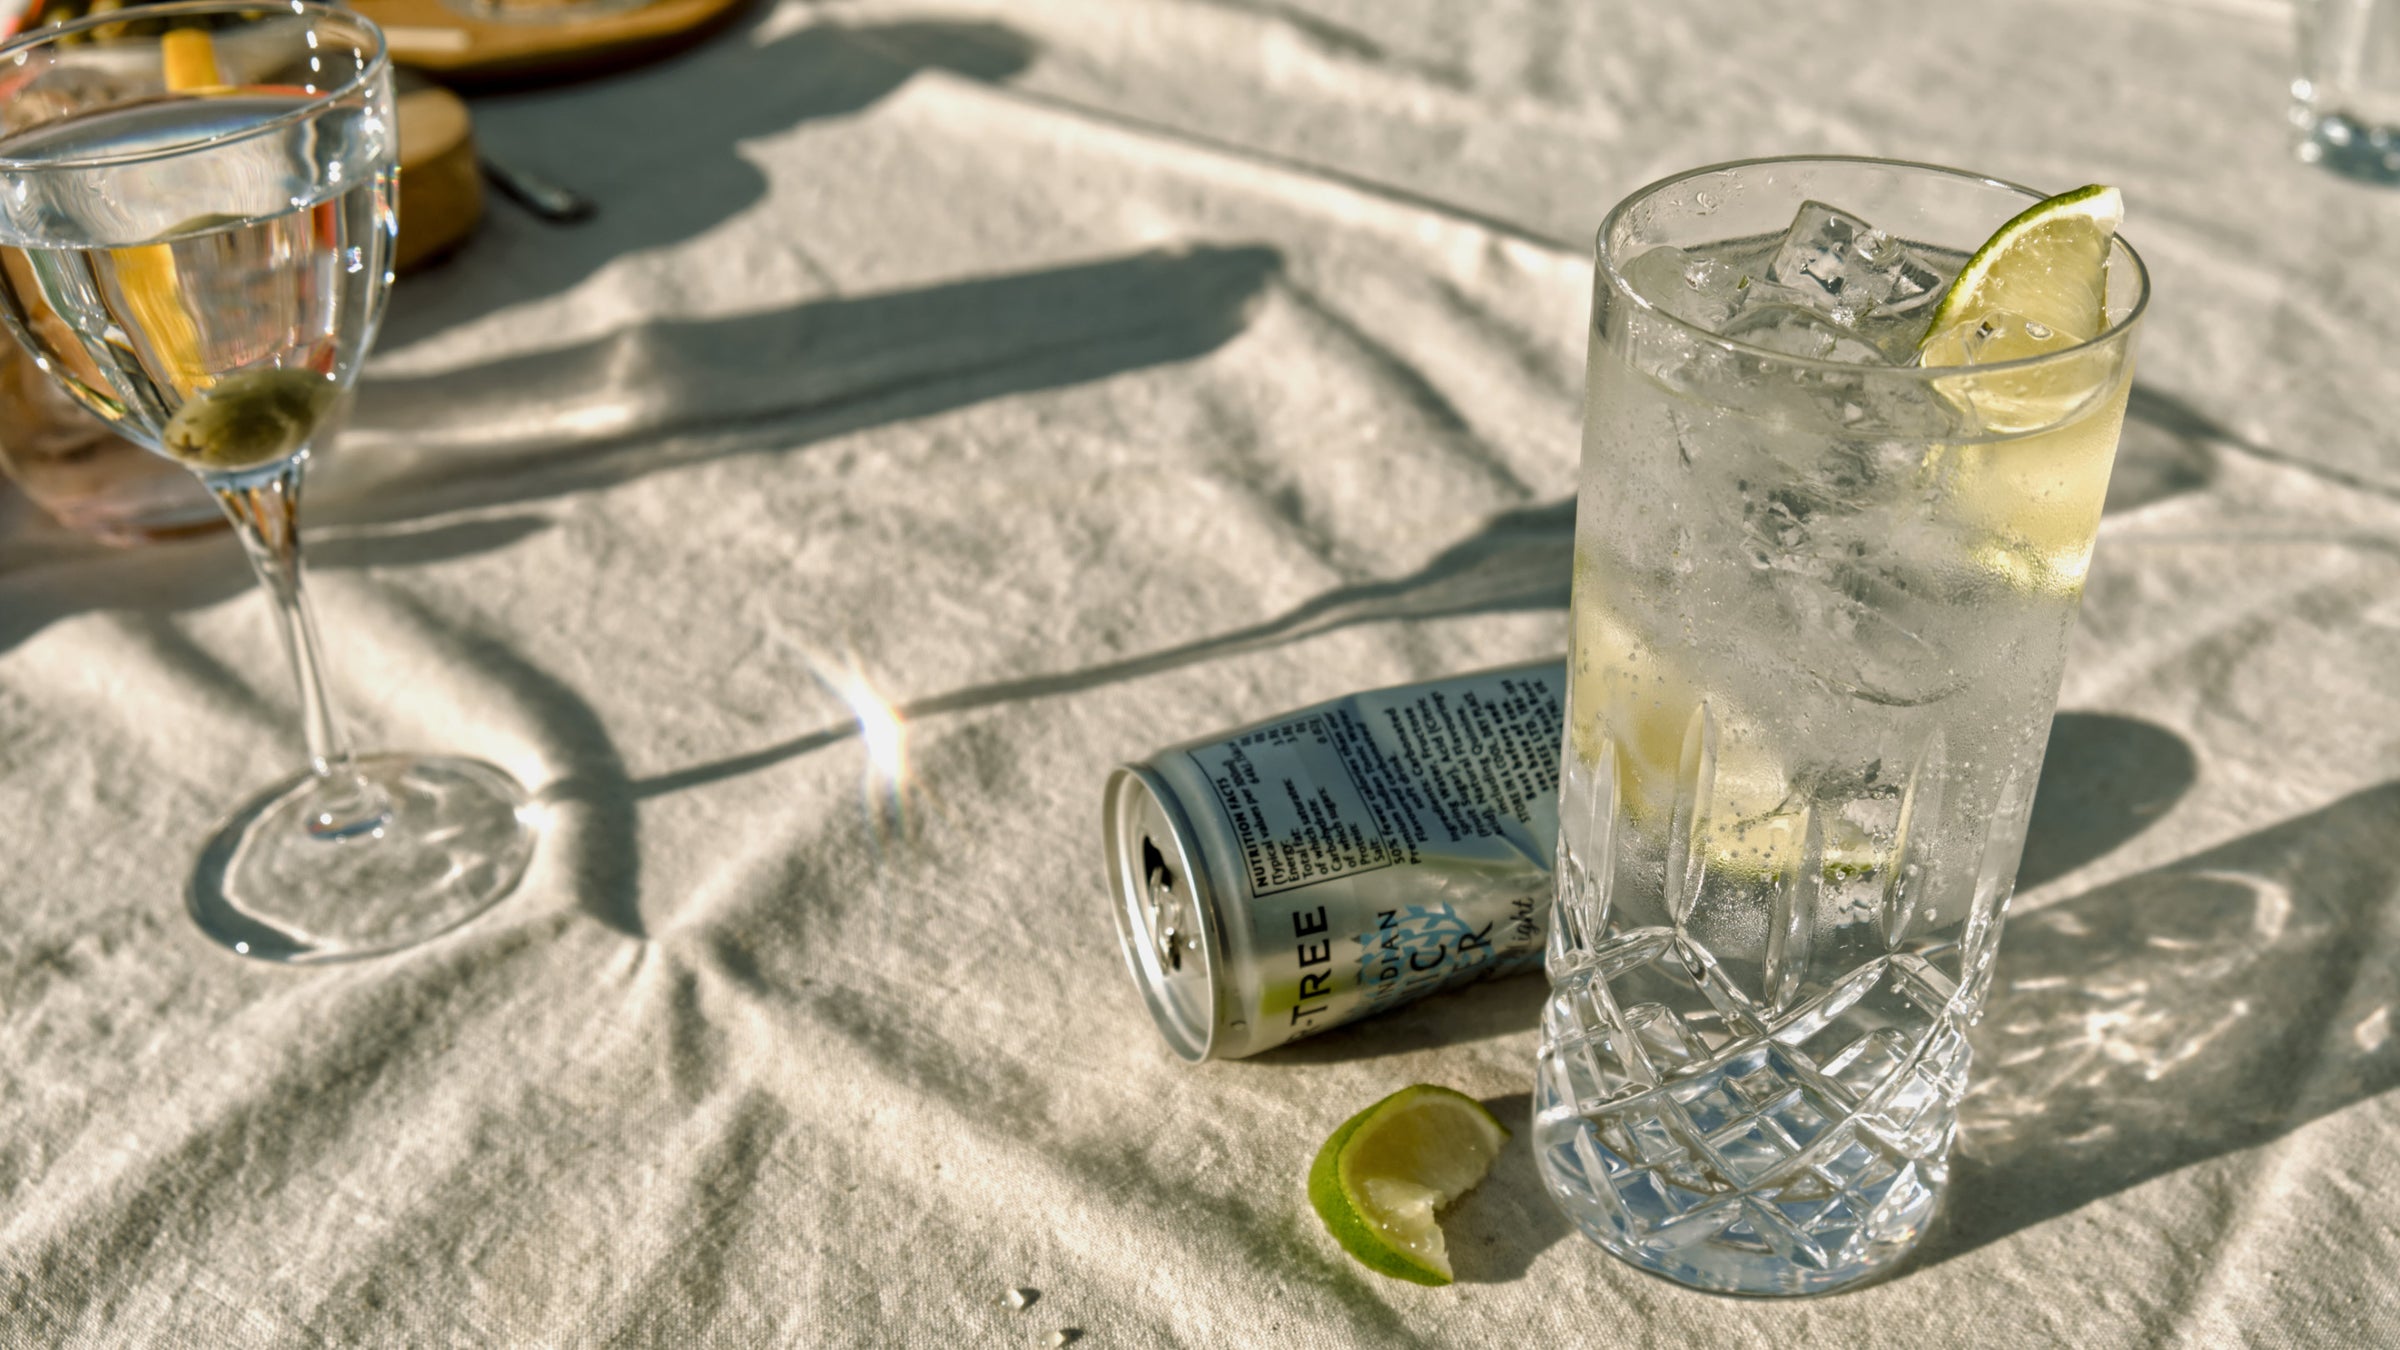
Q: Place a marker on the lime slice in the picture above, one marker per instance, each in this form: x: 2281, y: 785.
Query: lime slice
x: 2038, y: 285
x: 2047, y: 267
x: 1763, y: 850
x: 1383, y: 1174
x: 1630, y: 690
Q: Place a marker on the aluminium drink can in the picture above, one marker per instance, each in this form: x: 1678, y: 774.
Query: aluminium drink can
x: 1332, y: 863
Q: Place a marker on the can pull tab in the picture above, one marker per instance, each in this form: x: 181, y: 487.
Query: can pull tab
x: 1165, y: 908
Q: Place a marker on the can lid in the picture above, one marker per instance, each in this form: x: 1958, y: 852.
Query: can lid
x: 1166, y: 915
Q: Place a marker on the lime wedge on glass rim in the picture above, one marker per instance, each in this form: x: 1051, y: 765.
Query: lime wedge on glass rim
x: 2046, y: 269
x: 2039, y: 285
x: 1380, y: 1179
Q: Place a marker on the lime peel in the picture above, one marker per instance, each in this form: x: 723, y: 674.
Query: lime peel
x: 2038, y: 287
x: 1379, y: 1181
x: 2010, y: 272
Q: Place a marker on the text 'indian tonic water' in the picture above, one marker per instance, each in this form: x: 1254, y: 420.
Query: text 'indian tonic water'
x: 1338, y: 861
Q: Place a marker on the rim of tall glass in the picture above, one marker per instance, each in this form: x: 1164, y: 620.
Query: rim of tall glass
x: 317, y: 103
x: 1617, y: 282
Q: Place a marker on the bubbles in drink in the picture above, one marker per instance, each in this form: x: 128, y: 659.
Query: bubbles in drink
x: 1820, y: 606
x: 1700, y: 290
x: 2004, y: 336
x: 1797, y: 330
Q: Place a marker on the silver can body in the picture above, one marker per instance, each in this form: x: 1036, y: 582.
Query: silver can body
x: 1332, y: 863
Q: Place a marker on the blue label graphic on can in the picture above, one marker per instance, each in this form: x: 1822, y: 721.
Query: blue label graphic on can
x: 1415, y: 949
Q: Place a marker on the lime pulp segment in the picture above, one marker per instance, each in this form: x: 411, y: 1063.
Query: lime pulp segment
x: 1381, y: 1178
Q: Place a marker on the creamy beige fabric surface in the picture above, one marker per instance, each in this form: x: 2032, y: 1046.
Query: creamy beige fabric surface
x: 1077, y: 376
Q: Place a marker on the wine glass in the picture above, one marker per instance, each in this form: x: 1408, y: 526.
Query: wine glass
x: 195, y: 234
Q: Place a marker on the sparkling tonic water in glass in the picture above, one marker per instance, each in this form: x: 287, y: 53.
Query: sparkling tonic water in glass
x: 1822, y: 597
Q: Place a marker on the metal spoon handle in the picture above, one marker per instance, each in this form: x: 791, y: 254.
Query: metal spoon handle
x: 551, y: 201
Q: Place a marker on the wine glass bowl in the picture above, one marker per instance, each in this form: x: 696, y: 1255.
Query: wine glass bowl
x: 195, y: 241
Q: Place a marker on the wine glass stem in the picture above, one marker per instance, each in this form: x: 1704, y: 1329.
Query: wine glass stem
x: 265, y: 511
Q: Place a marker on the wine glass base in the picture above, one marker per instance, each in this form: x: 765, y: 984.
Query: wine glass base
x: 459, y: 836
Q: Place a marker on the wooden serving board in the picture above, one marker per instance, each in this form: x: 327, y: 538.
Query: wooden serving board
x: 529, y: 46
x: 441, y: 190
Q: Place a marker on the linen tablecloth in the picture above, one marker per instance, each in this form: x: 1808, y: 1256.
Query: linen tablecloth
x: 953, y: 401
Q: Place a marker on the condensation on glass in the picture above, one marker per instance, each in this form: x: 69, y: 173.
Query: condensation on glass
x: 1822, y: 599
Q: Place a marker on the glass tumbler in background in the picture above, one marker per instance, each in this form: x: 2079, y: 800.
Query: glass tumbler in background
x: 1822, y: 598
x: 2346, y: 97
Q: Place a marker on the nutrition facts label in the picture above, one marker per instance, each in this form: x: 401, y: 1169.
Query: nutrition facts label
x: 1374, y: 780
x: 1296, y: 809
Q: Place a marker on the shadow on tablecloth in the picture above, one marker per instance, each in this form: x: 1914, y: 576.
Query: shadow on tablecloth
x: 661, y: 154
x: 2191, y: 1011
x: 520, y: 431
x: 2105, y: 779
x: 675, y: 392
x: 1517, y: 561
x: 1496, y: 1230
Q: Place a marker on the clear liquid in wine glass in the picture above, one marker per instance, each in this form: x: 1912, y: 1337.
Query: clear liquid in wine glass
x: 223, y: 336
x: 196, y: 243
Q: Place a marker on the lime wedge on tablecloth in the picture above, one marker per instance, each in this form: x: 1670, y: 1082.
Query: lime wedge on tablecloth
x: 1379, y: 1180
x: 2038, y: 285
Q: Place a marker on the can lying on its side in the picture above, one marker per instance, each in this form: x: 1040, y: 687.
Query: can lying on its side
x: 1338, y: 861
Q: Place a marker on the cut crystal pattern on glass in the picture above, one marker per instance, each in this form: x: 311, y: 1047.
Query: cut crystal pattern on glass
x: 1822, y: 595
x: 1751, y: 1121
